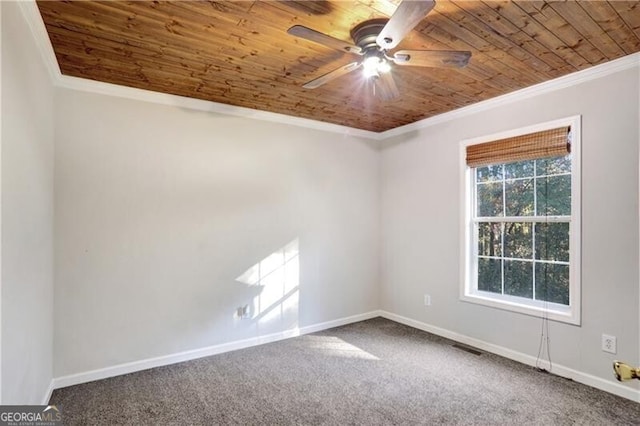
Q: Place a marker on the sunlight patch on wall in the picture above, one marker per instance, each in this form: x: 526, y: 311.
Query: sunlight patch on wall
x: 278, y: 279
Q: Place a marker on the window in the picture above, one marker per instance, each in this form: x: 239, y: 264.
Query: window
x: 522, y: 220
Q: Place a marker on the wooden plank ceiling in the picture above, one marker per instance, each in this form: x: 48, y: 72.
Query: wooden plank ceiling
x: 239, y: 53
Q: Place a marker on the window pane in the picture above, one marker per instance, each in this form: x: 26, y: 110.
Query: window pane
x: 520, y: 169
x: 489, y: 199
x: 554, y: 195
x: 552, y: 283
x: 553, y: 166
x: 519, y: 197
x: 518, y: 278
x: 489, y: 173
x: 490, y: 275
x: 552, y: 241
x: 518, y: 240
x: 490, y: 239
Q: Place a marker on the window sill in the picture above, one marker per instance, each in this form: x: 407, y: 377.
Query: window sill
x: 552, y: 311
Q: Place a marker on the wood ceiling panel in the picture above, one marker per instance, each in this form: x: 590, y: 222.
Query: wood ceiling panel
x: 629, y: 12
x: 589, y: 29
x: 610, y: 22
x: 556, y: 24
x: 239, y: 53
x: 554, y: 45
x: 512, y: 34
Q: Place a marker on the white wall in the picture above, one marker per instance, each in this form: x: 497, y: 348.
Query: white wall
x: 27, y: 215
x: 158, y: 211
x: 421, y: 207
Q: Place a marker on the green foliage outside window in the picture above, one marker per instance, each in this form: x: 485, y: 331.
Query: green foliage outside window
x: 524, y: 258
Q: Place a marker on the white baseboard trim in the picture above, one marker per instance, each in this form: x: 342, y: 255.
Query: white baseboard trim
x: 145, y: 364
x: 132, y: 367
x: 47, y: 395
x: 559, y: 370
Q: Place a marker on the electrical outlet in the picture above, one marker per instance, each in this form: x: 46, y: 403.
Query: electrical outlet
x: 243, y: 312
x: 427, y: 300
x: 609, y: 343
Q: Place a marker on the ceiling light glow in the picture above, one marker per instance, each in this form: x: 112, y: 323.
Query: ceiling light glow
x: 370, y: 66
x: 373, y: 65
x: 384, y: 66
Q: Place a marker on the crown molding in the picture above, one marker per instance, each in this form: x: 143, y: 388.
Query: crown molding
x: 34, y: 20
x: 578, y: 77
x: 109, y: 89
x: 37, y: 27
x: 31, y: 14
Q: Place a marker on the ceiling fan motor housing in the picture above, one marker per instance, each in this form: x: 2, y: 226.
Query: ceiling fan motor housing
x: 364, y: 34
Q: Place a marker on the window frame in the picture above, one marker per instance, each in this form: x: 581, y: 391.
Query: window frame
x: 468, y: 281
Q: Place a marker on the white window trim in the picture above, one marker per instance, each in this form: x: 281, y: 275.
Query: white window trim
x: 568, y: 314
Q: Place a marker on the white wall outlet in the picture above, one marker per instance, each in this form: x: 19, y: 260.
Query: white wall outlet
x: 427, y: 300
x: 609, y: 343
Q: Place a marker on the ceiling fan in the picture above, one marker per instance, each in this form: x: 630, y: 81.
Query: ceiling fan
x: 373, y: 39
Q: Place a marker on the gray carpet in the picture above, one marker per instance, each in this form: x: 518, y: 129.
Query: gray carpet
x: 374, y: 372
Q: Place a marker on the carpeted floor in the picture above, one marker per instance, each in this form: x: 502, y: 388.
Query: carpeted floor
x: 374, y: 372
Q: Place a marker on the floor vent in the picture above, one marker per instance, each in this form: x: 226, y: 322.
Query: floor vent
x: 467, y: 349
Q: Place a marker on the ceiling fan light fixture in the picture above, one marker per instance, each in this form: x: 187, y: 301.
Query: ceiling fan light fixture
x: 370, y: 66
x: 373, y: 65
x: 372, y: 40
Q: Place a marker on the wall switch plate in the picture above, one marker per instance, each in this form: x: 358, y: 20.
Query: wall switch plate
x: 609, y: 343
x: 427, y: 300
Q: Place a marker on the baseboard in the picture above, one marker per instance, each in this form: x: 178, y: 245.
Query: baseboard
x: 145, y: 364
x: 132, y: 367
x: 47, y: 396
x: 560, y: 370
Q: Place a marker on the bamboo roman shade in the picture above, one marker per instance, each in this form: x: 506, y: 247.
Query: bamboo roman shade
x: 547, y: 143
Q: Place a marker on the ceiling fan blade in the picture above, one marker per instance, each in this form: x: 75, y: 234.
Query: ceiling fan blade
x: 345, y: 69
x: 432, y: 58
x: 324, y: 39
x: 406, y: 16
x: 385, y: 87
